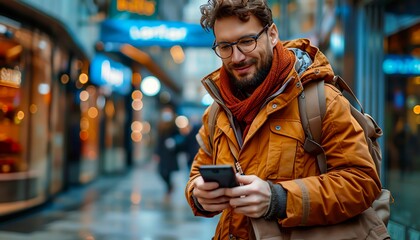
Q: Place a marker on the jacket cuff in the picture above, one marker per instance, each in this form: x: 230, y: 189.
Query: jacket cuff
x: 197, y: 204
x: 199, y: 207
x: 278, y: 202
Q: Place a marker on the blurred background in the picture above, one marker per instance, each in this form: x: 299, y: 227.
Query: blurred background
x: 83, y: 84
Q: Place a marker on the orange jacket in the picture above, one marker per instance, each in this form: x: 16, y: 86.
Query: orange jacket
x: 273, y: 150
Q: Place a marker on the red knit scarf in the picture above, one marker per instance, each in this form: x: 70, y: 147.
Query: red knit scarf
x: 247, y: 109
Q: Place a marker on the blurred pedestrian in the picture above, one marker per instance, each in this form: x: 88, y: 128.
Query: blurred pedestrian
x: 190, y: 146
x: 167, y: 148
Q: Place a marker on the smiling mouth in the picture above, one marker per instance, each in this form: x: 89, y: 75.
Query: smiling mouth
x: 243, y: 70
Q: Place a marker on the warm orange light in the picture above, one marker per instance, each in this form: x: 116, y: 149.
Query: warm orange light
x: 137, y: 105
x: 135, y: 198
x: 84, y: 96
x: 20, y: 115
x: 5, y: 168
x: 177, y: 54
x: 141, y: 7
x: 137, y: 95
x: 33, y: 109
x: 136, y: 79
x: 417, y: 80
x: 83, y: 78
x: 4, y: 108
x: 146, y: 127
x: 136, y: 136
x: 64, y: 79
x: 93, y: 112
x: 136, y: 126
x: 84, y: 123
x: 84, y: 135
x: 416, y: 109
x: 109, y: 109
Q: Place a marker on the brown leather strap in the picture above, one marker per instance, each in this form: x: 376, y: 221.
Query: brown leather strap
x: 214, y: 109
x: 312, y: 109
x: 338, y: 81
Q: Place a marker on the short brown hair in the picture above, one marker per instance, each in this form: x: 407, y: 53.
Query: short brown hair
x: 243, y: 9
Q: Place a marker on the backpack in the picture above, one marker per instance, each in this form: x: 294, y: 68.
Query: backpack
x: 312, y: 108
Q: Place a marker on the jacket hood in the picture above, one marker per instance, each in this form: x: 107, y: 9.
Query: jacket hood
x: 320, y: 67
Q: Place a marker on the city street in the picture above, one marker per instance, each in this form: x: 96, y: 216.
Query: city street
x: 113, y: 208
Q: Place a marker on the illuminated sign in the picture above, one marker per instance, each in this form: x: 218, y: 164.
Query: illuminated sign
x: 111, y: 75
x: 10, y: 77
x: 134, y: 9
x: 155, y: 33
x: 161, y: 32
x: 142, y: 7
x: 405, y: 65
x: 106, y: 72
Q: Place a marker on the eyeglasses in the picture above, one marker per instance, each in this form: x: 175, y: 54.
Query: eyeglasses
x: 245, y: 44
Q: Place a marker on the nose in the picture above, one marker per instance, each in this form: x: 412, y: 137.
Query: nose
x: 237, y: 55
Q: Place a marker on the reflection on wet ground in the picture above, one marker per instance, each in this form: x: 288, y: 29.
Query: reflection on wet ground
x: 131, y: 207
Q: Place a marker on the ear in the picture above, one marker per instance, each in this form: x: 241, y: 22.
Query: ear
x: 273, y: 34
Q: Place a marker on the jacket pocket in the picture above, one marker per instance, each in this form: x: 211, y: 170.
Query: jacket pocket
x: 285, y: 139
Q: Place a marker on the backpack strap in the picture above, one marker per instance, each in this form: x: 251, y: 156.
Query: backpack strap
x: 214, y: 110
x: 211, y: 122
x: 312, y: 110
x: 343, y: 86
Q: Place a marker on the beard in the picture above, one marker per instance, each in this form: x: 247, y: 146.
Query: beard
x: 247, y: 85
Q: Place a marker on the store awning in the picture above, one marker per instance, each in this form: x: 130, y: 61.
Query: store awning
x: 129, y: 36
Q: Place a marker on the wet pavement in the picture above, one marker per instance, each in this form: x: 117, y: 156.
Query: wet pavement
x: 128, y: 207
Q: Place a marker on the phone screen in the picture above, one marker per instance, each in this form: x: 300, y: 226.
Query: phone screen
x: 222, y: 174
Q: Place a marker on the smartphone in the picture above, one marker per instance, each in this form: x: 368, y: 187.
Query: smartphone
x: 222, y: 174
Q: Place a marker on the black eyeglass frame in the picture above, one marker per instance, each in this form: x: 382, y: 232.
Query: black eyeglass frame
x: 255, y: 37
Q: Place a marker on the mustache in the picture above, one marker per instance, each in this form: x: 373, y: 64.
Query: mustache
x: 244, y: 63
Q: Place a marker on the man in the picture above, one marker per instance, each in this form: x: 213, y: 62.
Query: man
x: 258, y: 128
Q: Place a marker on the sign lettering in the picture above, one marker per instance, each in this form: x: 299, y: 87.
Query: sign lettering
x: 10, y: 77
x: 142, y: 7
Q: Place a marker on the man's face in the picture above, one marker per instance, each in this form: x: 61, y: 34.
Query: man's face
x: 247, y: 70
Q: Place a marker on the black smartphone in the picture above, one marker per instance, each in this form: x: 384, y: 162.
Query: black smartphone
x: 222, y: 174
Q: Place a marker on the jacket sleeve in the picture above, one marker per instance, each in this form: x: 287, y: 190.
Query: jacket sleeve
x: 203, y: 157
x: 351, y: 183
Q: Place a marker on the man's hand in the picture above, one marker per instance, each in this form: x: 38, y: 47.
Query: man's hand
x: 252, y: 198
x: 210, y: 196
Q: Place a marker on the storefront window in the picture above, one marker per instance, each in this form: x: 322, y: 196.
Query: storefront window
x: 13, y: 113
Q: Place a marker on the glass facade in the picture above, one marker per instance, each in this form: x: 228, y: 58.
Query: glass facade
x: 31, y: 118
x: 382, y: 67
x: 402, y: 125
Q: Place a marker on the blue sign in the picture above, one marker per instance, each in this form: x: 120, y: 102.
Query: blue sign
x: 398, y: 64
x: 106, y: 72
x: 155, y: 33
